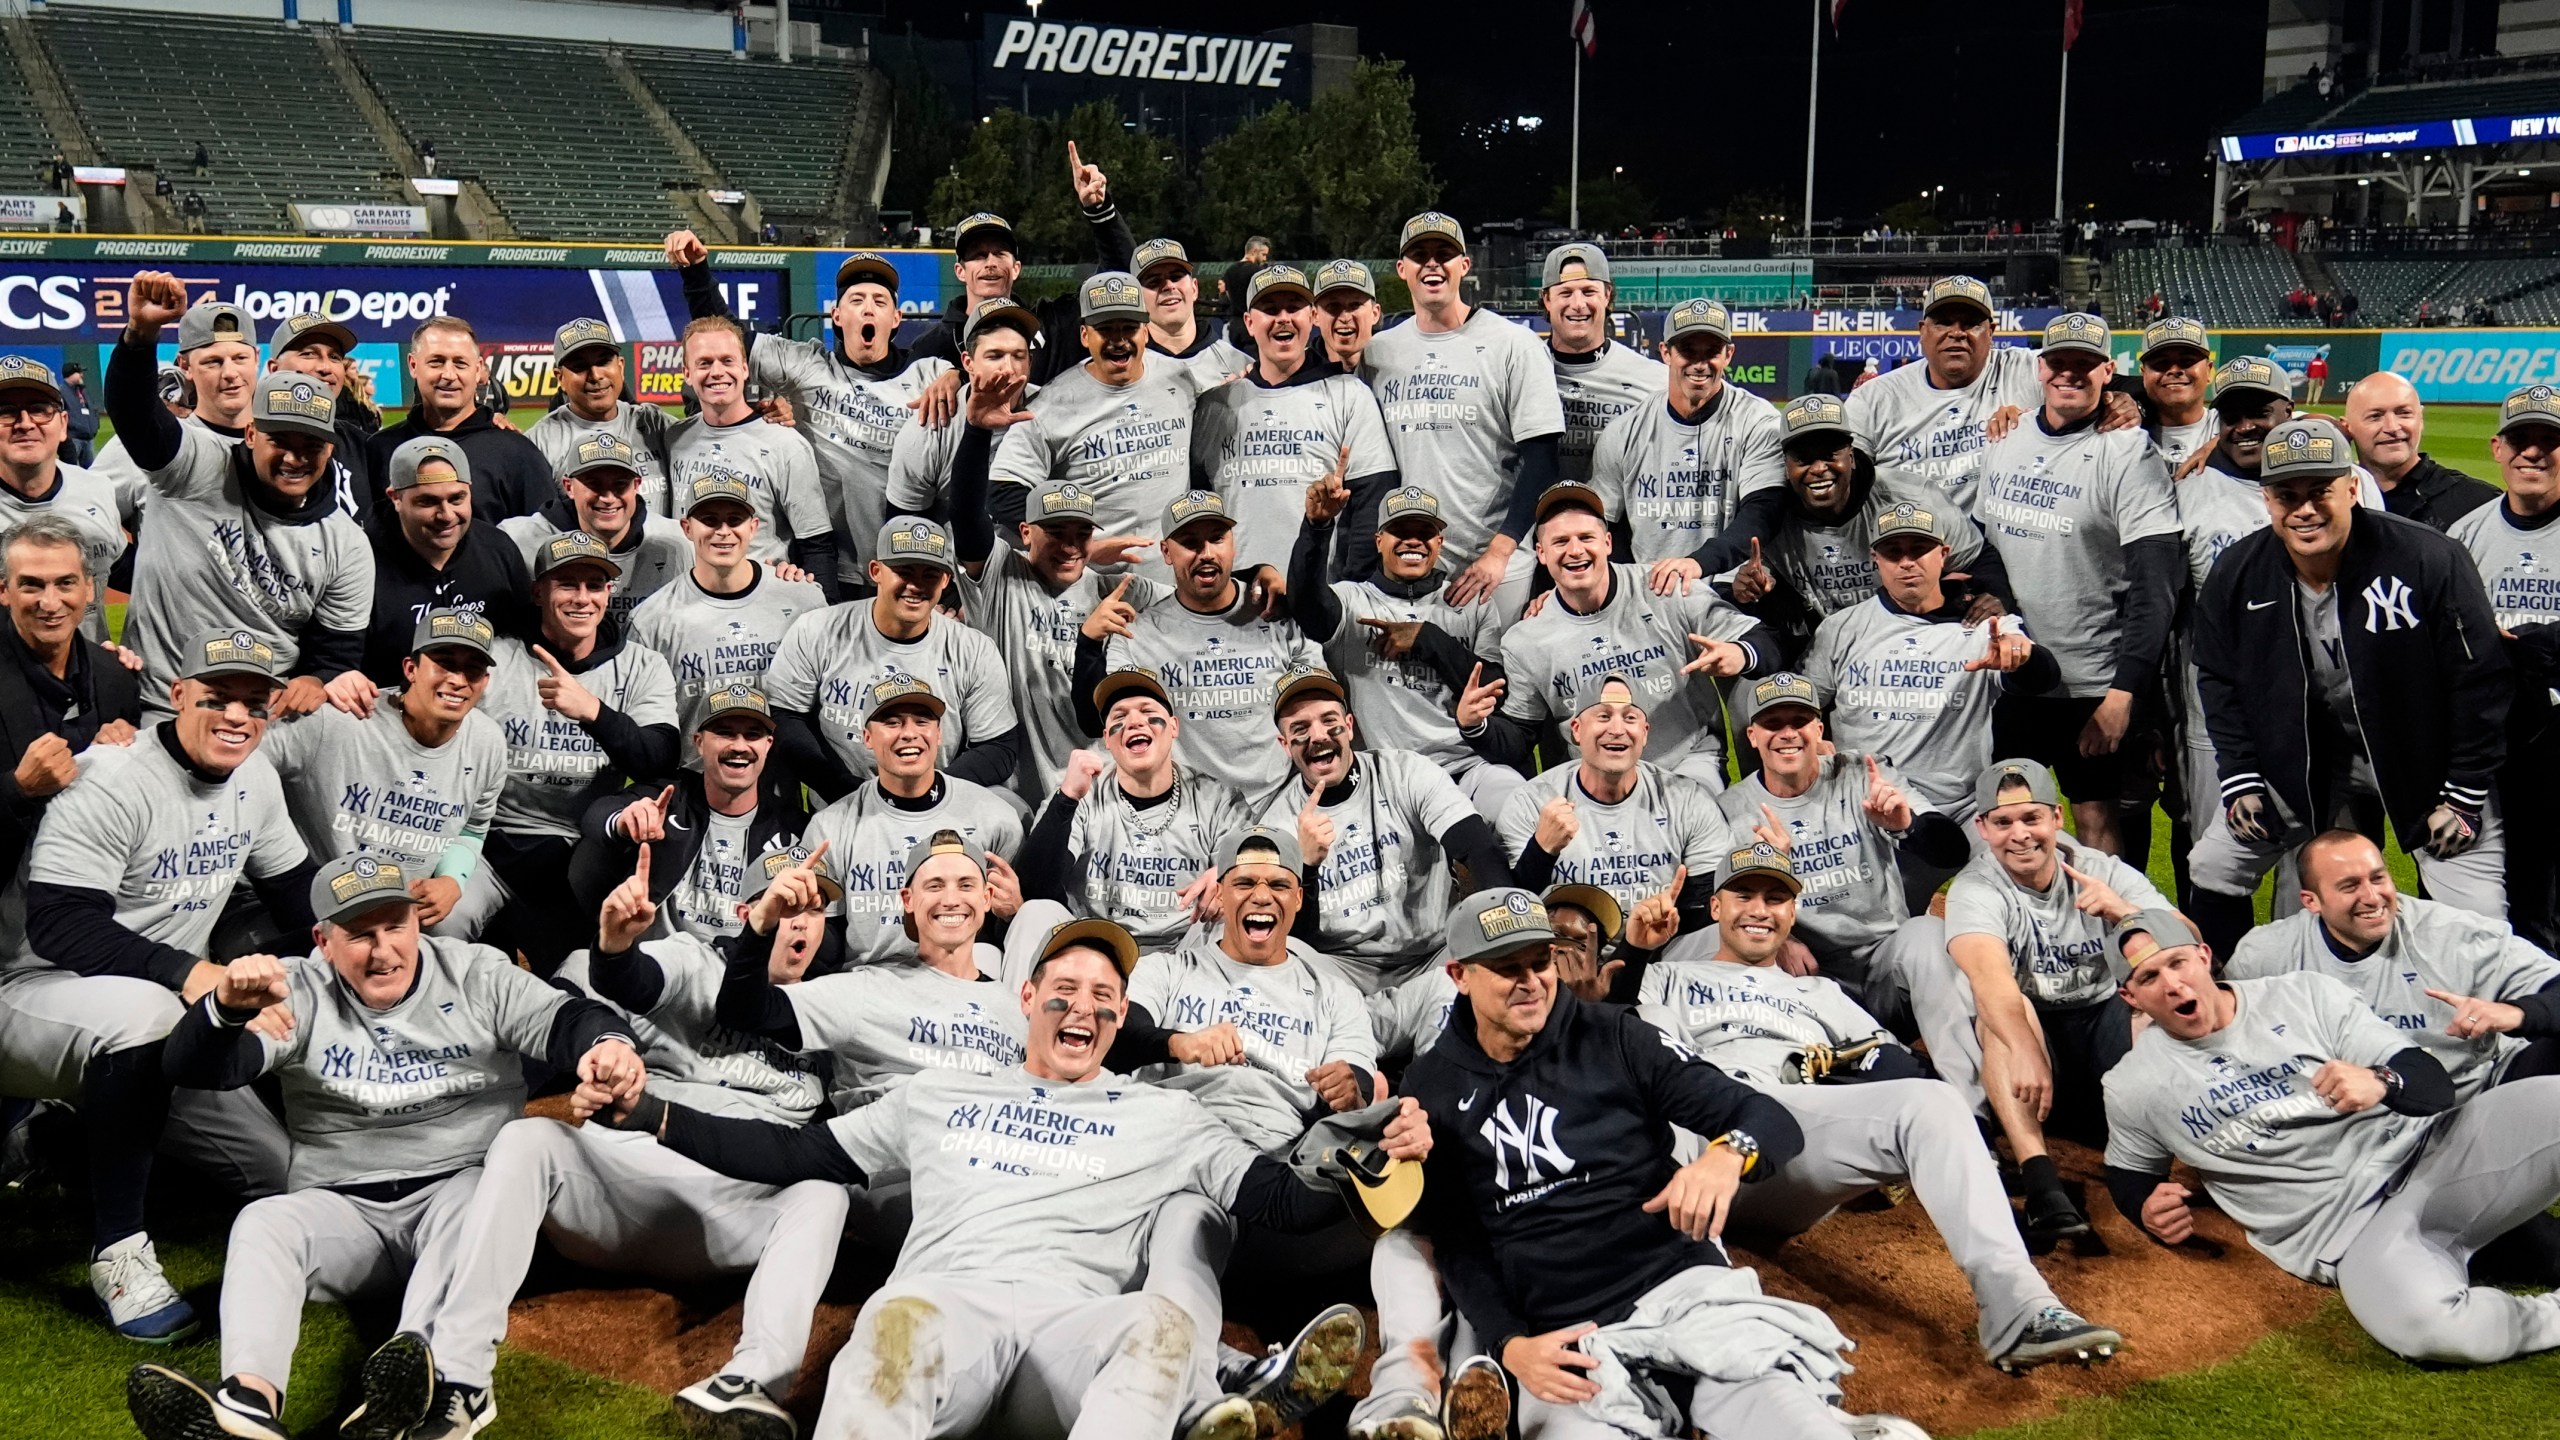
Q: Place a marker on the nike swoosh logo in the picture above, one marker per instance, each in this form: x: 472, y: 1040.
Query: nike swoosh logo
x: 1469, y: 1103
x: 675, y: 824
x: 2260, y: 604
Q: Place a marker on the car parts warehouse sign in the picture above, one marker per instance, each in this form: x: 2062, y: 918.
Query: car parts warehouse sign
x: 1017, y: 47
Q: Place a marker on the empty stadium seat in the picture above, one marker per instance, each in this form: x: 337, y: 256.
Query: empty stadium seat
x: 777, y: 131
x: 2219, y: 284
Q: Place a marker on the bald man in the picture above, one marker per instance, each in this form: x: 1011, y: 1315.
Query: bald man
x: 2387, y: 423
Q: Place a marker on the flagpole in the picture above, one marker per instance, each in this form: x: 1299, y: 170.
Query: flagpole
x: 1812, y: 93
x: 1573, y: 202
x: 2061, y: 122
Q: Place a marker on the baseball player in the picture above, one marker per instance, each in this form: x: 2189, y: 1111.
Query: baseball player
x: 986, y: 261
x: 323, y: 349
x: 1616, y: 821
x: 2345, y: 656
x: 731, y: 438
x: 1347, y: 293
x: 1033, y: 1188
x: 1422, y: 670
x: 450, y: 395
x: 400, y: 1058
x: 909, y: 796
x: 217, y: 363
x: 1216, y: 653
x: 603, y: 492
x: 416, y: 783
x: 1845, y: 818
x: 831, y: 661
x: 2088, y: 530
x: 706, y: 829
x: 1868, y: 1111
x: 1172, y: 283
x: 1378, y: 828
x: 581, y: 709
x: 1677, y: 474
x: 2327, y: 1137
x: 2177, y: 377
x: 1931, y: 421
x: 242, y: 537
x: 2467, y: 990
x: 1601, y: 620
x: 996, y: 348
x: 1472, y: 411
x: 1290, y: 423
x: 2021, y: 1017
x: 720, y: 623
x: 127, y: 876
x: 1597, y: 379
x: 430, y: 554
x: 34, y: 479
x: 616, y: 1201
x: 1132, y: 840
x: 589, y: 364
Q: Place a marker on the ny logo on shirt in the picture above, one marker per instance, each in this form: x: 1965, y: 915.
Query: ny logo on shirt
x: 2389, y: 605
x: 358, y: 799
x: 1531, y: 1138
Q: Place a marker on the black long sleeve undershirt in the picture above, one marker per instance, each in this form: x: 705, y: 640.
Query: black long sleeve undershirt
x: 1540, y: 464
x: 749, y: 1002
x: 287, y: 896
x: 2154, y: 568
x: 1473, y: 845
x: 973, y: 520
x: 1757, y: 516
x: 817, y: 555
x: 210, y: 1048
x: 151, y: 435
x: 1936, y: 839
x: 2541, y: 1013
x: 641, y: 752
x: 812, y: 761
x: 1043, y: 866
x: 328, y: 653
x: 989, y: 762
x: 1311, y: 602
x: 629, y: 978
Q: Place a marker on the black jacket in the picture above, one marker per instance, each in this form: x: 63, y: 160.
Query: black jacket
x: 2435, y: 495
x: 509, y: 474
x: 1546, y: 1226
x: 2431, y: 678
x: 98, y: 687
x: 1058, y: 349
x: 485, y: 575
x: 604, y: 858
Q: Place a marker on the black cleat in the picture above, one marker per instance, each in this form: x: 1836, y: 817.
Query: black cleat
x: 2055, y: 1335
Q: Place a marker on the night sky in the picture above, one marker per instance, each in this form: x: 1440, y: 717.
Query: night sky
x: 1705, y: 102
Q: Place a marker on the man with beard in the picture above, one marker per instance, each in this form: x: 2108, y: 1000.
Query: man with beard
x: 509, y: 475
x: 907, y: 798
x: 852, y: 397
x: 1677, y: 474
x: 590, y: 367
x: 1174, y: 330
x: 317, y: 346
x: 1219, y: 657
x: 1292, y: 422
x: 832, y: 661
x: 582, y: 708
x: 1347, y: 294
x: 1471, y: 409
x: 241, y: 537
x: 720, y: 622
x: 986, y: 260
x: 36, y: 481
x: 730, y: 437
x: 605, y: 494
x: 1424, y: 671
x: 1131, y: 841
x: 430, y: 554
x: 1597, y: 379
x: 997, y: 345
x: 2387, y: 424
x: 1377, y: 830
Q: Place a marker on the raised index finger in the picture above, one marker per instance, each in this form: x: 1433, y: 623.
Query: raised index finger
x: 1755, y: 549
x: 544, y: 656
x: 640, y: 871
x: 1679, y: 877
x: 1074, y: 161
x: 816, y: 855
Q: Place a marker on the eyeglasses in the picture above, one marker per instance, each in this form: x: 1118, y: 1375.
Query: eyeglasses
x: 12, y: 411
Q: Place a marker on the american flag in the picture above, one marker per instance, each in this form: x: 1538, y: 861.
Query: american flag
x: 1585, y: 28
x: 2070, y: 23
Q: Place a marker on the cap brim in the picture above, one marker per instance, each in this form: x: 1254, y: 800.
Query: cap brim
x: 1967, y: 301
x: 1109, y: 693
x: 2248, y: 387
x: 28, y: 382
x: 610, y: 567
x: 2150, y: 350
x: 2521, y: 421
x: 1162, y: 261
x: 961, y: 241
x: 1305, y: 686
x: 884, y: 276
x: 1365, y: 292
x: 2074, y: 347
x: 563, y: 357
x: 366, y: 906
x: 1110, y: 936
x: 933, y: 703
x: 1559, y: 496
x: 1602, y: 906
x: 453, y: 642
x: 345, y: 337
x: 1115, y: 314
x: 1794, y: 883
x: 599, y: 467
x: 1819, y: 430
x: 293, y: 424
x: 1790, y: 703
x: 1932, y: 536
x: 726, y: 711
x: 216, y: 672
x: 1303, y: 293
x: 1022, y: 315
x: 1518, y: 942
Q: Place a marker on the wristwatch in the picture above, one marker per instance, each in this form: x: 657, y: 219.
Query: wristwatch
x: 1742, y: 1143
x: 2392, y: 1083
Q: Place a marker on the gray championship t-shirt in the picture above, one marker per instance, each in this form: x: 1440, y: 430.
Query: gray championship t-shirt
x: 2057, y: 950
x: 1404, y: 704
x: 1409, y: 1019
x: 830, y: 659
x: 1382, y: 892
x: 1677, y: 482
x: 1260, y: 447
x: 2061, y: 509
x: 555, y: 769
x: 776, y: 465
x: 1035, y: 633
x: 895, y: 1018
x: 2177, y: 442
x: 2520, y: 567
x: 1131, y: 865
x: 851, y: 422
x: 1747, y: 1019
x: 1458, y: 404
x: 1853, y: 895
x: 1631, y: 848
x: 713, y: 641
x: 920, y: 461
x: 1218, y: 669
x: 87, y: 501
x: 868, y: 836
x: 1292, y: 1017
x: 1833, y: 567
x: 1596, y: 391
x: 642, y: 427
x: 2238, y: 1106
x: 1899, y: 691
x: 695, y: 1060
x: 704, y: 903
x: 1555, y: 655
x: 1917, y: 431
x: 650, y: 563
x: 367, y: 786
x: 1130, y: 445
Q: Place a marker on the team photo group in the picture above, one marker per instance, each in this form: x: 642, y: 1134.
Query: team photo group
x: 1130, y: 802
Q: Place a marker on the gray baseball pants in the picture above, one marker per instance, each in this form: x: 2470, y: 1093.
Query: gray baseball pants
x: 618, y: 1201
x: 1874, y: 974
x: 288, y: 1250
x: 2491, y: 1165
x: 1418, y: 1330
x: 1771, y: 1407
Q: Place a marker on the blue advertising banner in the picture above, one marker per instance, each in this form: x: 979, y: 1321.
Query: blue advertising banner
x: 83, y: 301
x: 2478, y: 366
x: 921, y: 274
x: 2414, y: 134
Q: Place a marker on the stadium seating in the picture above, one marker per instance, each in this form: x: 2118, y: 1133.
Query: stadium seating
x: 276, y: 125
x: 26, y: 146
x: 777, y: 131
x: 2226, y: 285
x: 2388, y: 291
x: 2296, y: 109
x: 2523, y: 95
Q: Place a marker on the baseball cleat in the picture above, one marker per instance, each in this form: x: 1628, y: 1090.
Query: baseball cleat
x: 1478, y: 1401
x: 1417, y: 1421
x: 459, y: 1412
x: 1303, y: 1374
x: 1230, y: 1419
x: 732, y: 1407
x: 2052, y: 1216
x: 141, y: 1303
x: 1884, y: 1427
x: 2056, y: 1334
x: 170, y: 1404
x: 399, y: 1383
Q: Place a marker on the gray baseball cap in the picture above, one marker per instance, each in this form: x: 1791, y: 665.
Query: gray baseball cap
x: 1905, y: 517
x: 1815, y: 415
x: 286, y: 401
x: 599, y: 450
x: 353, y: 885
x: 868, y: 265
x: 1411, y: 502
x: 2005, y: 774
x: 584, y: 333
x: 2250, y: 374
x: 915, y: 540
x: 2144, y: 933
x: 310, y: 325
x: 1061, y: 500
x: 944, y: 842
x: 1773, y: 692
x: 2176, y: 332
x: 210, y: 321
x: 983, y: 223
x: 414, y: 455
x: 1956, y: 290
x: 1593, y: 260
x: 1110, y: 936
x: 1431, y: 224
x: 1190, y: 508
x: 1287, y: 279
x: 735, y: 700
x: 1335, y: 275
x: 1593, y: 690
x: 765, y: 868
x: 440, y: 628
x: 1001, y: 310
x: 1758, y: 858
x: 1500, y: 921
x: 2309, y: 447
x: 216, y: 653
x: 1160, y: 251
x: 2078, y: 333
x: 574, y: 547
x: 716, y: 485
x: 25, y: 372
x: 1698, y: 317
x: 1111, y: 295
x: 1244, y: 847
x: 2532, y: 405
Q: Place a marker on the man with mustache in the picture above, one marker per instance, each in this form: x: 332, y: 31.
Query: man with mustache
x: 730, y: 437
x: 591, y: 370
x: 1289, y: 424
x: 1471, y: 409
x: 1931, y: 421
x: 1597, y: 379
x: 448, y: 377
x: 1676, y: 474
x: 2387, y: 424
x: 241, y: 537
x: 604, y: 492
x: 430, y: 553
x: 721, y: 621
x: 416, y: 783
x: 1377, y: 829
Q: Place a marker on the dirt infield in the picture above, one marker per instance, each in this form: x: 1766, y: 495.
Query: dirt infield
x: 1882, y: 1275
